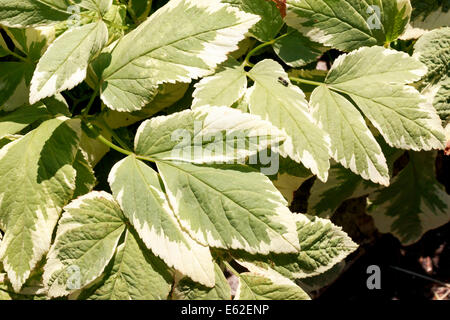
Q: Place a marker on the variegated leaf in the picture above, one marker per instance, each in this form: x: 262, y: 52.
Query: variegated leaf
x: 135, y: 274
x: 140, y: 194
x: 287, y: 109
x: 33, y: 190
x: 206, y: 135
x: 162, y: 52
x: 87, y: 236
x: 65, y: 62
x: 230, y: 209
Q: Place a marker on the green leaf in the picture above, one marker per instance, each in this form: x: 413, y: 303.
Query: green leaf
x: 441, y: 100
x: 374, y: 78
x: 352, y: 143
x: 163, y: 52
x: 167, y: 95
x: 186, y: 289
x: 349, y: 24
x: 140, y: 194
x: 33, y: 190
x: 229, y: 209
x: 206, y: 135
x: 322, y: 280
x: 64, y: 64
x: 135, y: 274
x: 326, y: 197
x: 222, y: 89
x: 322, y: 243
x: 269, y: 286
x: 414, y: 203
x: 4, y: 50
x: 28, y: 13
x: 86, y: 239
x: 85, y: 180
x: 296, y: 50
x: 287, y: 109
x: 433, y: 49
x: 14, y: 84
x: 427, y: 15
x: 32, y: 41
x: 21, y: 118
x: 271, y: 21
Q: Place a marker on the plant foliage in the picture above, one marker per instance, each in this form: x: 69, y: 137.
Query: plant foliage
x: 149, y: 149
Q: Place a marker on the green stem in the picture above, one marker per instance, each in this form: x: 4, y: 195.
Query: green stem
x: 86, y: 110
x: 310, y: 82
x: 108, y: 143
x: 262, y: 46
x: 113, y: 134
x: 229, y: 267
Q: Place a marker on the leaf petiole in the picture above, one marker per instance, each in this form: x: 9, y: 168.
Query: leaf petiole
x: 260, y: 47
x: 110, y: 144
x: 310, y: 82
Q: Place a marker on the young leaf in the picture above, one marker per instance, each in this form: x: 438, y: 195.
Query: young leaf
x: 65, y: 62
x: 138, y: 190
x: 375, y: 78
x: 287, y: 109
x: 135, y: 274
x: 186, y: 289
x: 414, y: 203
x: 157, y: 52
x: 222, y: 89
x: 87, y: 236
x: 206, y: 135
x: 229, y: 209
x: 349, y: 24
x: 36, y: 180
x: 269, y: 286
x: 30, y: 13
x: 271, y: 20
x: 352, y: 143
